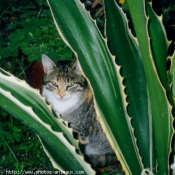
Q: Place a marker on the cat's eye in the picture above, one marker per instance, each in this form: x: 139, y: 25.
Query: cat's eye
x: 54, y: 84
x: 70, y: 84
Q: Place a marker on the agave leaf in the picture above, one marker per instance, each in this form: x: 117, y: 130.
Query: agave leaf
x: 125, y: 47
x: 159, y: 105
x: 171, y: 74
x: 31, y: 97
x: 26, y: 104
x: 159, y: 45
x: 82, y: 35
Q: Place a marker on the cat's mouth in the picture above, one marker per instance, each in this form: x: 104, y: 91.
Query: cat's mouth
x: 65, y: 97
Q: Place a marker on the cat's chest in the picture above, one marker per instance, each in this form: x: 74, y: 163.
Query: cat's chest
x: 60, y: 105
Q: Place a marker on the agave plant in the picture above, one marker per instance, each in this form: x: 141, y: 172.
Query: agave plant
x: 134, y: 92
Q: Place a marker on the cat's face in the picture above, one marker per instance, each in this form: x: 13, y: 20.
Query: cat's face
x: 64, y: 81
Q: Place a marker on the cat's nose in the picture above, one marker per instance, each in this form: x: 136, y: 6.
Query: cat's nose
x: 62, y: 95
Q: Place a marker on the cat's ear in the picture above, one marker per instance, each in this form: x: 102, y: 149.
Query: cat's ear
x: 76, y: 66
x: 48, y: 64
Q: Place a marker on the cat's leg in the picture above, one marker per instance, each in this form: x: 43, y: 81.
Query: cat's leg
x: 83, y: 132
x: 99, y: 157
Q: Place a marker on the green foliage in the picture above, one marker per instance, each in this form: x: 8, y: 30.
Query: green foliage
x: 143, y: 84
x: 27, y: 31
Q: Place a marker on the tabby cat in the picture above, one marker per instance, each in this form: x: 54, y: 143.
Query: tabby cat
x: 67, y: 90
